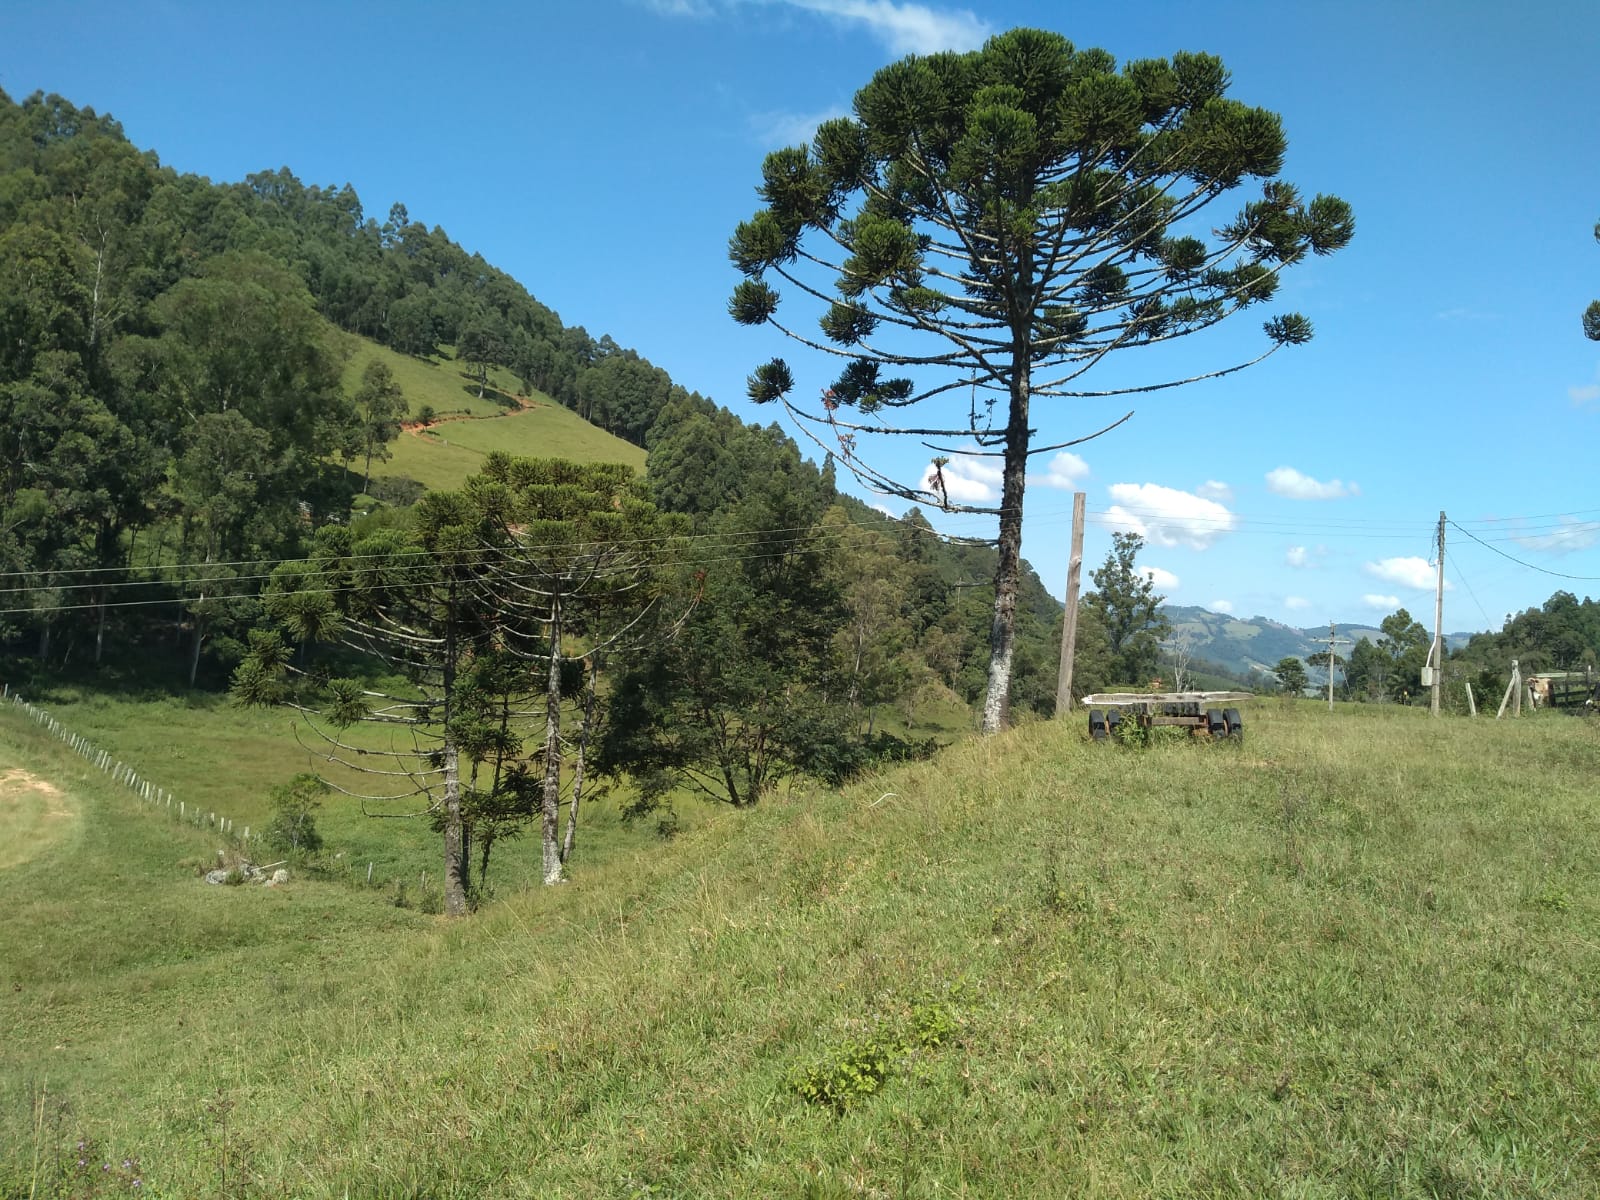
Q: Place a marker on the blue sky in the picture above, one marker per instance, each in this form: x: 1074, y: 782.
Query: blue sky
x: 602, y: 153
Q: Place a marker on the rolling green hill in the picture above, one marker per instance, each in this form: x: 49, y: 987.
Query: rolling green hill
x: 1350, y: 957
x: 448, y: 450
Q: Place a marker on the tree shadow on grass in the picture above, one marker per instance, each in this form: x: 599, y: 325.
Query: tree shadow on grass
x: 492, y: 394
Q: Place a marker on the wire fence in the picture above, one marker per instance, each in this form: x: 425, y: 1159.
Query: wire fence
x: 152, y: 795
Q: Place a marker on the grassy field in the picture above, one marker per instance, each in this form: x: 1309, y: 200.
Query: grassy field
x: 1353, y: 956
x: 443, y: 455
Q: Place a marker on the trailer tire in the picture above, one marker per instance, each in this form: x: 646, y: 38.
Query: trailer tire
x: 1235, y: 723
x: 1216, y: 723
x: 1097, y: 725
x: 1114, y: 722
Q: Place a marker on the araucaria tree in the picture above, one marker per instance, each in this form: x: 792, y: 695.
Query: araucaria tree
x: 993, y: 226
x: 1591, y: 315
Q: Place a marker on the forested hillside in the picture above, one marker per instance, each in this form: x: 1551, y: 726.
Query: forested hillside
x: 197, y: 380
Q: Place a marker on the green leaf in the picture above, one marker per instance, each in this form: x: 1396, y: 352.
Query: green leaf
x: 753, y: 302
x: 770, y: 381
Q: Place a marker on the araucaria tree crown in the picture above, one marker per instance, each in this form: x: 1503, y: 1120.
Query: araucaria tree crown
x: 997, y: 223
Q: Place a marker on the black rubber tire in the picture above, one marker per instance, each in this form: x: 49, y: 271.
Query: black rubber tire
x: 1216, y: 722
x: 1114, y: 721
x: 1097, y: 724
x: 1235, y: 723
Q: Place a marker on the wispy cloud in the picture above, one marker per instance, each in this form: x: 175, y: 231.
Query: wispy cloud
x: 1298, y: 556
x: 1386, y: 603
x: 902, y: 28
x: 1569, y: 535
x: 680, y: 8
x: 1465, y: 314
x: 1286, y: 481
x: 778, y: 129
x: 1213, y: 489
x: 1066, y: 471
x: 1222, y: 606
x: 1165, y: 516
x: 1411, y: 572
x: 1295, y: 603
x: 1159, y: 576
x: 905, y: 28
x: 1586, y: 395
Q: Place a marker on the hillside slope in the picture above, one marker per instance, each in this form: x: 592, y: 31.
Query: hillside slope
x: 1351, y: 957
x: 463, y: 428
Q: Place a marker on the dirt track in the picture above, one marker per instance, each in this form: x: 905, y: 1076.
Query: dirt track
x: 33, y: 814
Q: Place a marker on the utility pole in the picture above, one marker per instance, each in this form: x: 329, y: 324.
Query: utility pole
x: 1333, y: 638
x: 1436, y: 655
x: 1069, y: 620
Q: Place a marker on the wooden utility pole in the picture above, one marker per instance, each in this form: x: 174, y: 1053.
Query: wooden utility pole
x: 1069, y: 621
x: 1333, y: 639
x: 1436, y: 655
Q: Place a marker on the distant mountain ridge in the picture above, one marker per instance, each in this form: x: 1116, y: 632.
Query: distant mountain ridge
x: 1254, y: 645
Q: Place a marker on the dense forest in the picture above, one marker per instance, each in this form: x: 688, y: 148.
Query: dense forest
x: 180, y: 446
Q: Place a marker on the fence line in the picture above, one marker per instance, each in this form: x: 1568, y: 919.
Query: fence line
x: 156, y: 797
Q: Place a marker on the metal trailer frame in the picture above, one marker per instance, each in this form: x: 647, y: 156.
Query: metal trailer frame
x: 1198, y: 712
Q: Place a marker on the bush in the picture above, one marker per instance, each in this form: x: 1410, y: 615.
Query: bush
x: 293, y: 828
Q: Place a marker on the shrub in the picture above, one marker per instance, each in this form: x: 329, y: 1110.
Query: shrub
x: 293, y: 828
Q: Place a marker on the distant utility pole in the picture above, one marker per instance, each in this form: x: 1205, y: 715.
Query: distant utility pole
x: 1333, y: 637
x: 1436, y: 655
x: 1069, y: 620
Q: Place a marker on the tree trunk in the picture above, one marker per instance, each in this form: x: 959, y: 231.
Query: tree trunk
x: 1002, y: 631
x: 199, y: 637
x: 455, y: 885
x: 570, y: 837
x: 455, y: 889
x: 550, y: 809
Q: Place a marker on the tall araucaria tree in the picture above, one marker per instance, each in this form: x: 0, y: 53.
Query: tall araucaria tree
x: 998, y: 223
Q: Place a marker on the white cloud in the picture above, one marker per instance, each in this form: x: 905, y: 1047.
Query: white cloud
x: 884, y: 509
x: 1212, y: 489
x: 1159, y: 576
x: 1296, y: 602
x: 1286, y: 481
x: 1387, y: 603
x: 680, y: 8
x: 1412, y: 572
x: 906, y: 28
x: 1222, y: 606
x: 1297, y: 556
x: 790, y: 129
x: 968, y: 479
x: 1165, y: 516
x: 1569, y: 535
x: 1585, y: 396
x: 1066, y: 471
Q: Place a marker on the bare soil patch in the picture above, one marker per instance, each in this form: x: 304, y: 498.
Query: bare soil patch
x: 34, y: 813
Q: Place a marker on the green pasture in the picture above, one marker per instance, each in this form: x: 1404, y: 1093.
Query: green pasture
x: 1353, y: 956
x: 444, y: 454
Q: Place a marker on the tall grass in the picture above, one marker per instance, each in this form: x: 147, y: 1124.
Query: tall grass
x: 1353, y: 956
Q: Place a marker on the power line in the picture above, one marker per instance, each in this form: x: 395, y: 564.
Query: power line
x: 1530, y: 566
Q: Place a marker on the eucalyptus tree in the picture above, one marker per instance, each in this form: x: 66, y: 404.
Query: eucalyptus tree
x: 1128, y: 610
x: 379, y: 407
x: 998, y: 224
